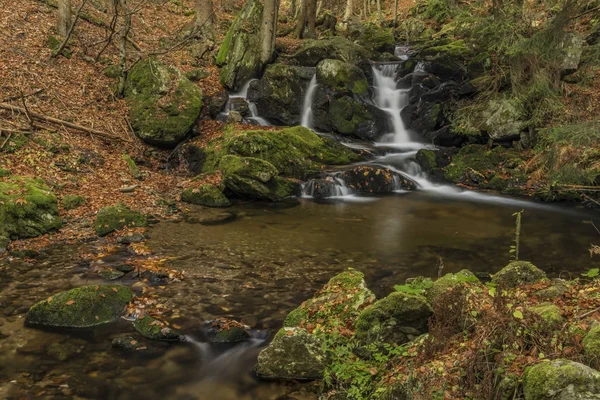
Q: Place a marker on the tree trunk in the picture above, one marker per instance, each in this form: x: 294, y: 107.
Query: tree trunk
x: 301, y: 19
x: 379, y: 15
x: 123, y: 49
x: 268, y: 29
x: 349, y: 11
x: 64, y: 17
x: 311, y: 19
x: 365, y: 9
x: 205, y: 16
x: 395, y: 12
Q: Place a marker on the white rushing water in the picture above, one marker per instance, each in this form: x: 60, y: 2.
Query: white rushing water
x: 391, y: 100
x: 307, y: 114
x: 243, y: 94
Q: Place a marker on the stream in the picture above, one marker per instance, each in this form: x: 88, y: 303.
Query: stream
x: 264, y: 263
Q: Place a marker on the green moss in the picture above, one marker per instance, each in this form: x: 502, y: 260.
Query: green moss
x: 28, y: 208
x: 151, y: 328
x: 549, y: 314
x: 427, y: 160
x: 196, y: 75
x: 456, y: 49
x: 546, y: 379
x: 591, y: 345
x: 249, y: 167
x: 347, y: 114
x: 342, y: 77
x: 295, y: 152
x: 205, y: 195
x: 395, y: 319
x: 72, y: 201
x: 16, y: 142
x: 335, y: 48
x: 112, y: 71
x: 419, y: 285
x: 110, y: 219
x: 81, y: 307
x: 448, y: 282
x: 133, y: 169
x: 163, y: 104
x: 376, y: 38
x: 518, y: 273
x: 4, y: 172
x: 111, y: 274
x: 334, y: 306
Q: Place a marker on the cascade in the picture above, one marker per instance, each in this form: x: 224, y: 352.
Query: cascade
x: 391, y: 100
x: 307, y: 114
x: 243, y: 94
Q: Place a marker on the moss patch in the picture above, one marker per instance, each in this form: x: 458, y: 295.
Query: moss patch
x: 205, y: 195
x: 72, y: 201
x: 110, y: 219
x: 151, y: 328
x: 81, y: 307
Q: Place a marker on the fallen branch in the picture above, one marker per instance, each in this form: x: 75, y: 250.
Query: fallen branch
x: 11, y: 98
x: 63, y: 123
x: 579, y: 187
x: 6, y: 141
x: 588, y: 313
x: 71, y: 28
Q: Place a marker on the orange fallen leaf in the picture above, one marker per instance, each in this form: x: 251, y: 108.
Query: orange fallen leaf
x: 70, y: 302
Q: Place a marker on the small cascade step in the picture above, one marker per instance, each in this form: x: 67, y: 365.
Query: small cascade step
x: 239, y: 109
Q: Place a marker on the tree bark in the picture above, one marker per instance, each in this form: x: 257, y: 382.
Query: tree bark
x: 64, y: 17
x: 379, y: 15
x: 123, y: 49
x: 301, y: 20
x: 349, y: 11
x: 205, y: 17
x: 268, y: 29
x: 395, y: 12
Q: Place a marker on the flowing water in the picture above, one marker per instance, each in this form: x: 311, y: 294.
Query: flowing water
x: 264, y: 263
x: 307, y: 114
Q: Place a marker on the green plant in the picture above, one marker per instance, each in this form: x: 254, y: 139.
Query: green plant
x: 514, y: 249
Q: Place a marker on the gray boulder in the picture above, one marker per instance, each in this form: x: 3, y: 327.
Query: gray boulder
x: 561, y: 380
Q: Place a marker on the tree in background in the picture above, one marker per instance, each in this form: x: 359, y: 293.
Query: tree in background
x: 204, y: 21
x: 307, y: 20
x: 268, y: 29
x: 64, y: 17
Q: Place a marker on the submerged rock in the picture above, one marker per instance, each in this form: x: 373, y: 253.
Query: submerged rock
x: 294, y: 354
x: 396, y: 319
x: 110, y: 219
x: 205, y: 195
x: 518, y: 273
x: 28, y: 208
x: 561, y: 380
x: 163, y: 103
x: 151, y: 328
x: 279, y: 94
x: 126, y: 342
x: 223, y: 330
x: 81, y: 307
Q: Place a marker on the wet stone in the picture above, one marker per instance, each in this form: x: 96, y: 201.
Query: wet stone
x: 126, y: 342
x: 222, y: 330
x: 125, y: 268
x: 110, y: 274
x: 133, y: 238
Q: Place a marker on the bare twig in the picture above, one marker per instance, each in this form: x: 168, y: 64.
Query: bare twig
x: 62, y: 122
x: 586, y: 12
x: 592, y: 200
x: 112, y: 27
x: 11, y: 98
x: 29, y: 119
x: 588, y: 313
x: 6, y: 141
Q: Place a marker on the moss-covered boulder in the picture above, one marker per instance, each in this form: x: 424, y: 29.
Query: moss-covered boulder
x: 239, y: 55
x: 28, y: 208
x: 223, y: 330
x: 371, y: 179
x: 346, y: 114
x: 295, y: 152
x: 500, y: 118
x: 81, y: 307
x: 396, y: 319
x: 336, y: 305
x: 549, y: 314
x: 561, y: 380
x: 279, y: 94
x: 294, y: 354
x: 342, y: 77
x: 205, y: 195
x: 449, y: 281
x: 112, y: 218
x: 496, y: 169
x: 337, y: 48
x: 518, y: 273
x: 163, y: 103
x: 72, y: 201
x: 591, y: 345
x: 152, y: 328
x: 377, y: 39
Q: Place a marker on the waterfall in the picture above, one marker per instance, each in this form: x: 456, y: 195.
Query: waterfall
x: 243, y: 94
x: 306, y: 120
x: 391, y: 100
x: 330, y: 187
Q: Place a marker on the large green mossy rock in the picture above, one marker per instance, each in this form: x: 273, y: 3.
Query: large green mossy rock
x: 280, y: 93
x: 591, y: 345
x: 342, y: 77
x: 336, y: 305
x: 395, y: 319
x: 239, y: 55
x: 518, y: 273
x: 449, y: 281
x: 163, y: 103
x: 561, y: 380
x: 205, y: 195
x: 112, y: 218
x: 377, y: 39
x: 81, y: 307
x: 294, y: 354
x: 501, y: 118
x: 295, y: 152
x: 28, y: 208
x: 337, y: 47
x: 152, y: 328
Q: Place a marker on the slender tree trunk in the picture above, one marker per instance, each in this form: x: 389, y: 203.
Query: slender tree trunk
x: 365, y: 6
x: 205, y: 17
x: 311, y: 19
x: 319, y: 8
x: 268, y: 29
x: 298, y: 34
x: 379, y: 15
x: 64, y: 17
x: 395, y: 12
x: 349, y: 11
x: 123, y: 49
